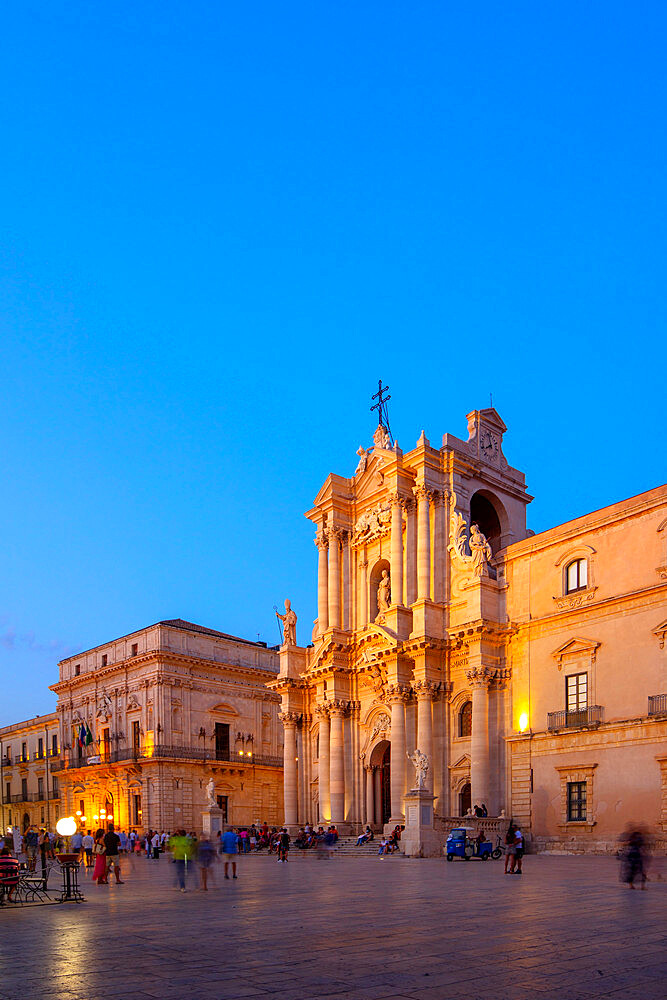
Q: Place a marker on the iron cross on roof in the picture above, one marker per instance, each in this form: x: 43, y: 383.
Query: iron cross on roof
x: 381, y: 405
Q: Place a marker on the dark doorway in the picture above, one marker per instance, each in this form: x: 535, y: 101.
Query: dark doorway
x: 465, y: 800
x: 222, y: 741
x: 222, y: 804
x: 385, y: 785
x: 483, y: 514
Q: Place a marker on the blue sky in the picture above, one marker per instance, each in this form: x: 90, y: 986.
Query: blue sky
x: 222, y: 223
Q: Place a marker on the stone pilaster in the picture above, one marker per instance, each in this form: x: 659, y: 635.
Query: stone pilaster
x: 426, y: 691
x: 337, y: 763
x: 322, y: 582
x: 396, y: 550
x: 290, y: 784
x: 396, y: 697
x: 324, y: 765
x: 479, y: 679
x: 334, y: 577
x: 423, y: 496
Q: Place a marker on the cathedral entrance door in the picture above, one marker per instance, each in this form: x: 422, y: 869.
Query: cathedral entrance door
x: 385, y: 785
x: 465, y: 801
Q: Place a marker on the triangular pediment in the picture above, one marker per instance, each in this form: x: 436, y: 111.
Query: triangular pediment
x: 576, y: 646
x: 660, y: 632
x: 463, y: 761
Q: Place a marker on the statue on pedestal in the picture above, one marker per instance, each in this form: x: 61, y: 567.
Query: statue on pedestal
x: 420, y: 762
x: 210, y: 794
x: 289, y: 624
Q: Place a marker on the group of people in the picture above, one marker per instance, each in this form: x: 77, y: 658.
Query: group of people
x: 309, y: 838
x: 390, y: 844
x: 514, y: 848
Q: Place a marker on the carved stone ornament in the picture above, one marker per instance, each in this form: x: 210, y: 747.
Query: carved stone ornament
x: 363, y: 461
x: 420, y: 761
x: 382, y: 724
x: 104, y: 706
x: 289, y: 718
x: 372, y: 524
x: 480, y: 676
x: 568, y: 602
x: 132, y: 702
x: 381, y: 438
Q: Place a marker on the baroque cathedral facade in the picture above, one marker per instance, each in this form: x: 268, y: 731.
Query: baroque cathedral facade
x: 529, y: 669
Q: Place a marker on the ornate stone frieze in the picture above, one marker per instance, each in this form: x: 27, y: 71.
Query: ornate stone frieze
x: 426, y: 690
x: 480, y: 676
x: 381, y: 724
x: 398, y: 693
x: 372, y: 524
x: 290, y: 718
x: 568, y: 602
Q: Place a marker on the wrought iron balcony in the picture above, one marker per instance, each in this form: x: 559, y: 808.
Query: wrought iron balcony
x: 583, y: 718
x: 161, y: 752
x: 657, y: 704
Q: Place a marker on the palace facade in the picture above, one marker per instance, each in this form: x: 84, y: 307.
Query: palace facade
x: 530, y: 669
x: 29, y: 756
x: 168, y: 708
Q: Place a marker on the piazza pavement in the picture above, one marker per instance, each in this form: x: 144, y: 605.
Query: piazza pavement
x: 351, y: 929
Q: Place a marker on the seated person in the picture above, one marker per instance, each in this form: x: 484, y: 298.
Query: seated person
x: 364, y: 837
x: 384, y: 846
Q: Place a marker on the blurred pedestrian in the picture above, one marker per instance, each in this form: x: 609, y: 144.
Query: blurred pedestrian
x: 230, y: 850
x: 633, y: 857
x: 206, y: 857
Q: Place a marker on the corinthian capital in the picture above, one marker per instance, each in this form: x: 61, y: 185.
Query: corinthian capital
x: 289, y: 718
x: 398, y: 693
x: 426, y: 690
x: 322, y: 711
x: 321, y: 539
x: 339, y: 707
x: 422, y: 492
x: 480, y: 677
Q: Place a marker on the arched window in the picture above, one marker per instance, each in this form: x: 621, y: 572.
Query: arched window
x: 465, y: 719
x: 576, y: 576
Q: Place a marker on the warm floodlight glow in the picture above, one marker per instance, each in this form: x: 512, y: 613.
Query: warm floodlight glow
x: 523, y: 722
x: 78, y: 812
x: 66, y: 826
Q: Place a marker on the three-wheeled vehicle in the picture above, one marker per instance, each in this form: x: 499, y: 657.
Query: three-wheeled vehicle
x: 463, y: 843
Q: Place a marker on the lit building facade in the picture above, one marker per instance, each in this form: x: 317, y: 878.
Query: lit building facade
x: 29, y: 770
x: 168, y: 708
x: 445, y: 625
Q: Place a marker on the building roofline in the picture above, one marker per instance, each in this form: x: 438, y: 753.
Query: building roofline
x: 37, y: 720
x: 180, y: 625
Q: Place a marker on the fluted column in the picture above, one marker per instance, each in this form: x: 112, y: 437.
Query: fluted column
x: 439, y: 546
x: 397, y: 696
x: 411, y: 553
x: 423, y: 543
x: 363, y: 603
x: 425, y: 693
x: 289, y: 721
x: 396, y: 550
x: 370, y: 796
x: 346, y: 611
x: 323, y: 765
x: 322, y: 582
x: 479, y: 679
x: 334, y: 578
x: 337, y: 764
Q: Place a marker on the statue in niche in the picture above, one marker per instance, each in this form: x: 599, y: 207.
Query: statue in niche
x: 420, y: 762
x: 210, y: 793
x: 363, y: 461
x: 384, y: 592
x: 289, y: 624
x: 480, y: 551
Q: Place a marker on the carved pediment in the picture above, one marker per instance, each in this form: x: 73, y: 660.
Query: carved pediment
x: 462, y: 764
x: 576, y: 647
x: 223, y: 708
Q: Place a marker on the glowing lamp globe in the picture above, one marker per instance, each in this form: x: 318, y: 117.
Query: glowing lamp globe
x: 523, y: 722
x: 66, y: 826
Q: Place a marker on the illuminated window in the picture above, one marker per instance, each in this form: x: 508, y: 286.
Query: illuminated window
x: 576, y: 576
x: 465, y: 720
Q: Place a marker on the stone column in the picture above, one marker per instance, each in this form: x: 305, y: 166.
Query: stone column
x: 322, y: 583
x: 347, y: 611
x: 396, y: 550
x: 396, y: 698
x: 334, y: 578
x: 423, y: 543
x: 289, y: 721
x: 479, y: 679
x: 439, y: 547
x: 337, y: 764
x: 411, y: 553
x: 425, y: 692
x: 323, y: 766
x: 370, y: 796
x: 363, y: 603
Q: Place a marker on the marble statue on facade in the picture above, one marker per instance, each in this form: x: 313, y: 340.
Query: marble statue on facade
x: 420, y: 762
x: 363, y: 461
x: 381, y: 438
x: 480, y: 551
x: 289, y: 624
x: 210, y: 793
x: 384, y: 592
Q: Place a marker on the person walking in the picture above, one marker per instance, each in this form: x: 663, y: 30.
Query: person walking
x: 180, y: 849
x: 100, y: 869
x: 283, y: 845
x: 206, y: 856
x: 112, y: 848
x: 510, y: 849
x: 518, y: 851
x: 230, y: 850
x: 155, y: 846
x: 87, y: 844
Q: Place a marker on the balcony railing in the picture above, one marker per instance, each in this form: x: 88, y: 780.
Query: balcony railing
x: 581, y: 719
x: 161, y: 752
x: 657, y: 704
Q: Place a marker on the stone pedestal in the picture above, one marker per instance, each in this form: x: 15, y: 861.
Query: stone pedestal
x: 420, y: 839
x: 211, y: 821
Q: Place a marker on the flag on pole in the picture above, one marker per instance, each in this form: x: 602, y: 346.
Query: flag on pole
x: 82, y: 736
x: 89, y: 735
